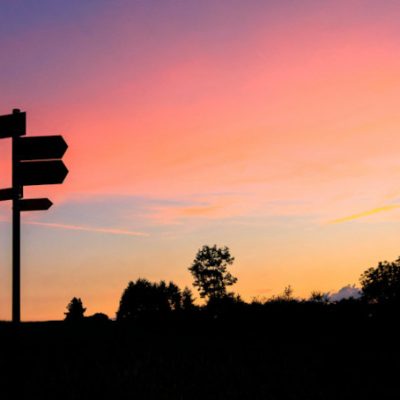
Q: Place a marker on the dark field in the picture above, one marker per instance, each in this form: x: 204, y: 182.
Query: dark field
x: 290, y: 354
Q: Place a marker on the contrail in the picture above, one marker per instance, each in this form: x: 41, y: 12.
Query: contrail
x: 88, y: 229
x: 364, y: 214
x: 111, y: 231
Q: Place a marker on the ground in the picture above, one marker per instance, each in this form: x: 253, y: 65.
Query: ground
x: 200, y: 360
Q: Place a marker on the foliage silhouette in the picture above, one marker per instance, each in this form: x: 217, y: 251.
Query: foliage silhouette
x: 285, y: 297
x: 319, y: 297
x: 230, y: 303
x: 75, y: 310
x: 173, y: 294
x: 382, y: 284
x: 209, y: 269
x: 187, y: 300
x: 99, y: 318
x: 144, y: 299
x: 288, y: 293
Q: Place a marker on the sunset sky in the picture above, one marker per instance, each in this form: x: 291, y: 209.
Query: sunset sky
x: 271, y: 127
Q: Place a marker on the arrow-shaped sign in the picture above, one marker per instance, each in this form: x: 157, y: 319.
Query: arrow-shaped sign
x: 34, y: 204
x: 41, y: 172
x: 6, y: 194
x: 12, y: 125
x: 40, y: 147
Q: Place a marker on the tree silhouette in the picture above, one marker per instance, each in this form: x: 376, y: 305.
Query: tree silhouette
x: 187, y: 300
x: 382, y: 284
x: 144, y: 298
x: 174, y: 296
x: 209, y: 269
x: 75, y: 310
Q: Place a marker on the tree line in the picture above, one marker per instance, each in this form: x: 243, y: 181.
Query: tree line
x: 143, y: 299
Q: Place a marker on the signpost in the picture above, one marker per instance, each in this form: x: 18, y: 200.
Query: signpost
x: 6, y: 194
x: 36, y: 160
x: 34, y: 204
x: 40, y: 147
x: 41, y: 172
x: 13, y: 125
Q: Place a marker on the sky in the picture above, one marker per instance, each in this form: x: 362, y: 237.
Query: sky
x: 270, y: 127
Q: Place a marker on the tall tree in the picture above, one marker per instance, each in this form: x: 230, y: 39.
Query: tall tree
x: 209, y: 269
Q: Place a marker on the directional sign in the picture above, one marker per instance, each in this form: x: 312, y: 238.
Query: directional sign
x: 35, y: 161
x: 12, y: 125
x: 34, y: 204
x: 40, y: 147
x: 41, y: 172
x: 6, y: 194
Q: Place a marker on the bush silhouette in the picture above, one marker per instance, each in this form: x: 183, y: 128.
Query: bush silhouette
x: 285, y: 297
x: 319, y: 297
x: 99, y: 318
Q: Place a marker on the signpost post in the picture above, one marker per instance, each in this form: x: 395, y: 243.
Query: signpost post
x: 36, y: 160
x: 16, y: 218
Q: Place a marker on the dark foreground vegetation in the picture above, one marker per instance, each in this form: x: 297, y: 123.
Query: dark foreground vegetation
x: 348, y: 350
x: 164, y: 346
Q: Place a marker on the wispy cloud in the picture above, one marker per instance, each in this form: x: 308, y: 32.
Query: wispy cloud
x: 209, y: 207
x: 89, y: 229
x: 175, y: 214
x: 111, y: 231
x: 364, y: 214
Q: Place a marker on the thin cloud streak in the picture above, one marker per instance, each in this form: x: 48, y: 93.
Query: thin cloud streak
x: 87, y: 228
x: 364, y: 214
